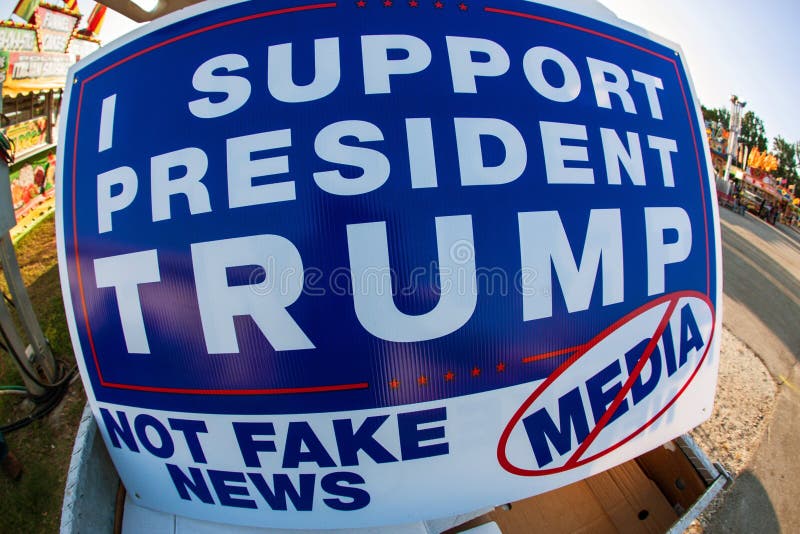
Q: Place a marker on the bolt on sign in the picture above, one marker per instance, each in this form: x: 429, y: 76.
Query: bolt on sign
x: 360, y: 263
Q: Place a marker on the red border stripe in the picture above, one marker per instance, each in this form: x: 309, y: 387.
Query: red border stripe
x: 574, y: 27
x: 553, y: 354
x: 266, y: 391
x: 210, y: 28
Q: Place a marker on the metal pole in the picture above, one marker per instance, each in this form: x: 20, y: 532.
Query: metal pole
x: 15, y: 344
x: 49, y: 110
x: 42, y: 355
x: 734, y: 127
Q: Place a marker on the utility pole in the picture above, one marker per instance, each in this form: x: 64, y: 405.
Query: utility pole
x: 734, y: 129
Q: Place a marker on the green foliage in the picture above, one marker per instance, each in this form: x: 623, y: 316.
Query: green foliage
x: 720, y: 115
x: 753, y: 134
x: 786, y: 153
x: 33, y: 504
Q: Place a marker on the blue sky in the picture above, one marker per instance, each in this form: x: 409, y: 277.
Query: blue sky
x: 732, y: 46
x: 750, y: 49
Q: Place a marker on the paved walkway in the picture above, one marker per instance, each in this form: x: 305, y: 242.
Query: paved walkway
x: 791, y: 231
x: 761, y: 302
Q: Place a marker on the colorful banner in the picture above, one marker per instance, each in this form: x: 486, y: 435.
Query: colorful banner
x: 26, y: 8
x: 54, y: 29
x: 4, y: 62
x: 17, y: 38
x: 28, y: 134
x: 95, y: 22
x: 32, y: 183
x: 81, y: 46
x: 35, y: 71
x: 351, y: 264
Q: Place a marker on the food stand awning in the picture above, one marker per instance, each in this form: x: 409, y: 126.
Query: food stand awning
x: 762, y: 186
x: 14, y: 88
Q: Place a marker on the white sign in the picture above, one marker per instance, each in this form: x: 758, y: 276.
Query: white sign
x: 362, y: 263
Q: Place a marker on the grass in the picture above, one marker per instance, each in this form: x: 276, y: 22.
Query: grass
x: 33, y: 504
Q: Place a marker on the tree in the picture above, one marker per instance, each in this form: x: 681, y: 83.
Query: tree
x: 720, y: 115
x: 753, y: 133
x: 752, y: 136
x: 787, y: 160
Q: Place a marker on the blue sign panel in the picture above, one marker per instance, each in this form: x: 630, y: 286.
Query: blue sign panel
x: 340, y: 251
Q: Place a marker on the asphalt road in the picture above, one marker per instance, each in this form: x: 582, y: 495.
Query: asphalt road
x: 761, y: 306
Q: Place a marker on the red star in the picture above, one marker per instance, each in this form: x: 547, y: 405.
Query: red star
x: 394, y: 384
x: 476, y: 371
x: 449, y: 375
x: 387, y: 3
x: 422, y: 380
x: 438, y: 4
x: 413, y: 3
x: 462, y: 6
x: 361, y: 3
x: 500, y: 367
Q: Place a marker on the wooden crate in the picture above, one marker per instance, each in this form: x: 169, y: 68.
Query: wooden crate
x: 645, y: 495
